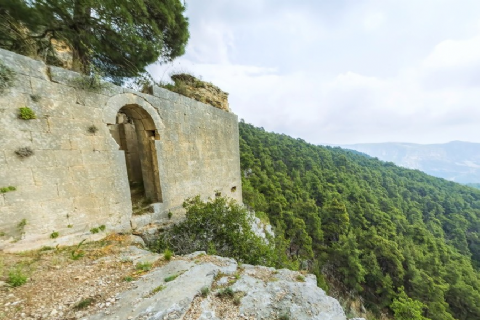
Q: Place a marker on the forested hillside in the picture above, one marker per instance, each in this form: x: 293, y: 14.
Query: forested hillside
x: 406, y: 242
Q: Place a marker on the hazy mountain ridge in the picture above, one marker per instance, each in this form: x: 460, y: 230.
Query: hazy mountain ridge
x: 457, y: 161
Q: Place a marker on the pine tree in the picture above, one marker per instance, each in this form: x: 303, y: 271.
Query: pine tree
x: 118, y: 37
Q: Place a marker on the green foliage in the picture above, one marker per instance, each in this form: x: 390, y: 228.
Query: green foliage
x: 158, y: 289
x: 120, y: 38
x: 83, y: 303
x: 226, y: 293
x: 219, y: 225
x: 128, y: 279
x: 6, y: 77
x: 167, y: 254
x: 170, y: 214
x: 367, y: 228
x: 21, y: 225
x: 94, y: 230
x: 300, y: 278
x: 204, y: 291
x: 16, y: 277
x: 24, y: 152
x: 92, y: 82
x: 54, y: 235
x: 77, y: 253
x: 405, y: 308
x: 171, y: 278
x: 27, y: 114
x: 7, y: 189
x: 144, y: 266
x: 102, y: 227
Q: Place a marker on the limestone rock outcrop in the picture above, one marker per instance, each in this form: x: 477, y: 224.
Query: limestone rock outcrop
x: 199, y: 286
x: 201, y: 91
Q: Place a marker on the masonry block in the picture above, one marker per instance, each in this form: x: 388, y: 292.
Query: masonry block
x: 184, y: 148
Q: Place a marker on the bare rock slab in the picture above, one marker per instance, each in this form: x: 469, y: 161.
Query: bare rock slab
x: 266, y: 293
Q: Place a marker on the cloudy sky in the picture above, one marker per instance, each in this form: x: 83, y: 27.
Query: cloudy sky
x: 342, y: 71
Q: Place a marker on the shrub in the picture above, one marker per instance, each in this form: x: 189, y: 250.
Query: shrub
x: 102, y: 227
x: 128, y: 279
x: 54, y: 235
x: 6, y: 77
x: 16, y: 277
x: 24, y: 152
x: 94, y: 230
x: 219, y: 224
x: 27, y: 114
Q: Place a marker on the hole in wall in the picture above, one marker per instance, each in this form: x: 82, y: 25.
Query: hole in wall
x: 133, y: 134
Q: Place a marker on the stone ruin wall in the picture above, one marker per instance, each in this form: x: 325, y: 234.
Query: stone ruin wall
x: 77, y: 180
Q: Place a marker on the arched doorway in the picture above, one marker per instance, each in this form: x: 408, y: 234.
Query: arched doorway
x: 135, y: 133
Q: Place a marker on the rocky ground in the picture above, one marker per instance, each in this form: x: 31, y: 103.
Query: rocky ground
x: 115, y: 280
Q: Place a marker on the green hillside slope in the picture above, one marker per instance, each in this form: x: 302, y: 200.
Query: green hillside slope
x: 369, y: 227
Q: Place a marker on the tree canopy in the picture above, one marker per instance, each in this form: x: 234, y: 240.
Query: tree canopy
x: 407, y: 243
x: 118, y: 37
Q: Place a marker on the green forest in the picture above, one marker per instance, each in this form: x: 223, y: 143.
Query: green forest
x: 407, y: 244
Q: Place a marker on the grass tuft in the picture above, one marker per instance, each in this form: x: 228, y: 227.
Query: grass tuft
x: 226, y: 293
x: 205, y: 291
x: 300, y: 278
x: 27, y: 114
x: 167, y: 254
x: 158, y: 289
x: 171, y: 278
x: 16, y: 277
x: 144, y: 266
x: 83, y: 304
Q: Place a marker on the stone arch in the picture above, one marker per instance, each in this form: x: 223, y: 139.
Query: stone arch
x: 136, y: 128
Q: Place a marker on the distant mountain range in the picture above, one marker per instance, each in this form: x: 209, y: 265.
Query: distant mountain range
x: 456, y: 161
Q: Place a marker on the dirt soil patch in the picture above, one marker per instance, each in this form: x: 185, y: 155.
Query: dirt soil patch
x: 64, y: 283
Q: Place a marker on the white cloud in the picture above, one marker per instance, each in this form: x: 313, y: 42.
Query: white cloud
x: 336, y: 73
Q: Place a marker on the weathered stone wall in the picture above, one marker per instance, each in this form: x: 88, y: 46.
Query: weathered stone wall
x: 77, y: 180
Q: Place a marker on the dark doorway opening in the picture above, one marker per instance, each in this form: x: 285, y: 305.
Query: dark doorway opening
x: 136, y: 134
